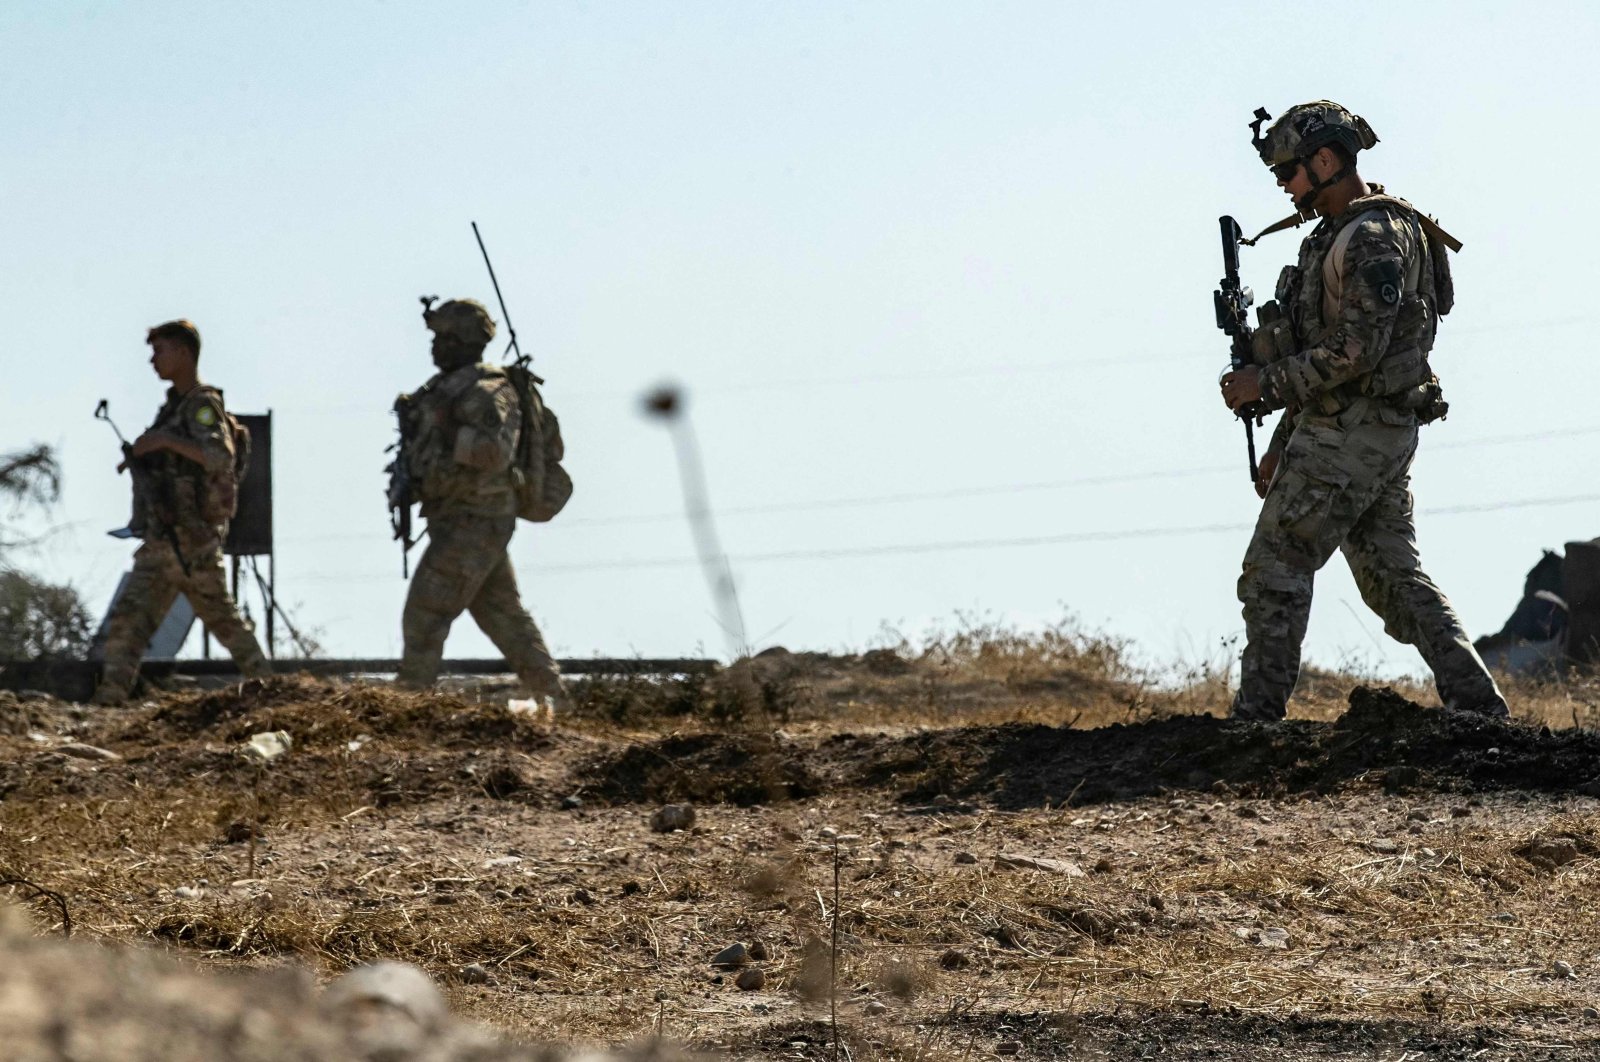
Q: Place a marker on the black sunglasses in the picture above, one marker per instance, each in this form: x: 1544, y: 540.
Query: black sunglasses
x: 1285, y: 171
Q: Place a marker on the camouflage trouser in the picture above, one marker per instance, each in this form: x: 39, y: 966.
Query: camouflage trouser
x: 1347, y: 486
x: 155, y: 584
x: 465, y: 567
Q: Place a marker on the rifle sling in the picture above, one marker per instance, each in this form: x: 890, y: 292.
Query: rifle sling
x: 1294, y: 221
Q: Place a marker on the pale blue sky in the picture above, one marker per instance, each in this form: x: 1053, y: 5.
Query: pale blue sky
x: 891, y: 249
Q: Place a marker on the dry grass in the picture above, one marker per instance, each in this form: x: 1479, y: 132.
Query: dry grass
x: 985, y: 673
x: 424, y: 828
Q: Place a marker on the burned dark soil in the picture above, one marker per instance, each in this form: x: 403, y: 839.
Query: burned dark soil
x: 1383, y: 738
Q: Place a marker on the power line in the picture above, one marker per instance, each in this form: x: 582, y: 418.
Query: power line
x: 1104, y: 479
x: 1217, y: 354
x: 990, y: 490
x: 960, y: 545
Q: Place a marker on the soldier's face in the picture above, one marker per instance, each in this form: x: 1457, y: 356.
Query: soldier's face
x: 442, y: 351
x: 168, y: 357
x: 1296, y: 183
x: 450, y: 353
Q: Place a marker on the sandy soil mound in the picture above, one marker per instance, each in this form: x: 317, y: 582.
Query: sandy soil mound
x: 62, y: 1000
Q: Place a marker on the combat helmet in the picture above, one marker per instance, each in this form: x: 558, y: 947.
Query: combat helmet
x: 1305, y: 129
x: 466, y: 320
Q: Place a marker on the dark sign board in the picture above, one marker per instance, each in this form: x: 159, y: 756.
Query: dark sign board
x: 250, y: 534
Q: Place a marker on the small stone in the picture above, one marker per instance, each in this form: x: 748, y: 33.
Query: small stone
x: 1505, y: 916
x: 1008, y: 1047
x: 87, y: 752
x: 474, y: 973
x: 1049, y: 866
x: 1591, y: 1013
x: 1383, y: 846
x: 583, y: 896
x: 266, y: 746
x: 966, y: 858
x: 1272, y: 938
x: 670, y: 817
x: 954, y: 959
x: 1417, y: 815
x: 503, y: 861
x: 1562, y: 970
x: 1245, y: 811
x: 1415, y: 827
x: 238, y: 832
x: 1459, y: 812
x: 571, y: 803
x: 758, y: 951
x: 752, y: 980
x: 874, y: 1008
x: 732, y: 957
x: 186, y: 892
x: 1104, y: 865
x: 397, y: 985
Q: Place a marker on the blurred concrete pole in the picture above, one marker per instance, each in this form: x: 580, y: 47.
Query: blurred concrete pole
x: 667, y: 403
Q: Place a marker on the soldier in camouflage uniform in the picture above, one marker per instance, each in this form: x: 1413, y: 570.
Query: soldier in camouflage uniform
x: 1348, y: 363
x: 185, y: 493
x: 461, y: 432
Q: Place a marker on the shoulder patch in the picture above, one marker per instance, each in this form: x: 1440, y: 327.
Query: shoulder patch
x: 1383, y: 274
x: 205, y: 416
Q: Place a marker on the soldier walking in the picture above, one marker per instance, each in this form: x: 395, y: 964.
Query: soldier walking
x: 1351, y: 374
x: 185, y: 478
x: 461, y: 431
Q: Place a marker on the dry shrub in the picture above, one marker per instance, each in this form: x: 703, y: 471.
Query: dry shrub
x: 771, y: 688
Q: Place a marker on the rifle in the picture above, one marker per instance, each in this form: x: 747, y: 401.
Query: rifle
x: 1232, y: 300
x: 140, y: 467
x: 400, y: 494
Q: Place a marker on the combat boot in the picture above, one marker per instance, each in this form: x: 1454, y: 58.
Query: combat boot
x: 1253, y: 712
x: 109, y: 695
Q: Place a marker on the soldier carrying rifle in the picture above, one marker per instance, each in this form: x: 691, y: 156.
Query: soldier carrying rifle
x: 186, y: 470
x: 1343, y: 351
x: 461, y: 439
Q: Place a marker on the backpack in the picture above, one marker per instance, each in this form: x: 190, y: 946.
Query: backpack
x: 543, y: 486
x: 219, y: 495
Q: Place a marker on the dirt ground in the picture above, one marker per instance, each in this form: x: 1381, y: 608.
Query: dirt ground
x: 1038, y: 857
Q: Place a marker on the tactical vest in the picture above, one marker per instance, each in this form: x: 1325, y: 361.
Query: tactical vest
x: 1402, y: 379
x: 182, y: 493
x: 442, y: 485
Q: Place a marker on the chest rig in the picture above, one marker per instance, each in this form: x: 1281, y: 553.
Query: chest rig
x: 1305, y: 312
x: 432, y: 423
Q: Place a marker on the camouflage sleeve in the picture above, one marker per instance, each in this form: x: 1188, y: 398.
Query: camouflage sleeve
x: 489, y: 419
x: 205, y: 425
x: 1375, y: 263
